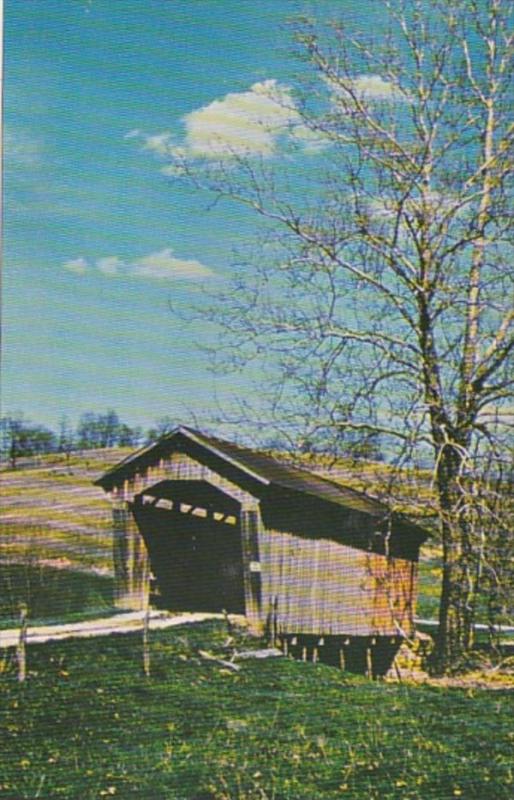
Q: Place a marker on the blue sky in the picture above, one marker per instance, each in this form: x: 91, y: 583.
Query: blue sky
x: 97, y: 240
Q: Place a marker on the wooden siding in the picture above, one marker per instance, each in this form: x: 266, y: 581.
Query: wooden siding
x: 180, y: 466
x: 321, y: 587
x: 251, y: 533
x: 130, y: 557
x: 130, y: 560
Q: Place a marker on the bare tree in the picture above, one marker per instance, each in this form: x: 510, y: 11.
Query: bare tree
x: 379, y: 299
x: 162, y: 426
x: 66, y: 439
x: 19, y: 437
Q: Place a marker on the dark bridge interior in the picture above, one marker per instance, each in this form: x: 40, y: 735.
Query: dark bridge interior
x: 192, y: 533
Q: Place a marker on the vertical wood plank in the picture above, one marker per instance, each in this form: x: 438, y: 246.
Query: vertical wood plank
x: 369, y: 662
x: 251, y: 523
x: 131, y: 568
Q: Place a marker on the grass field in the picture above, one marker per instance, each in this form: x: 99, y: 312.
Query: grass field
x: 87, y: 724
x: 51, y: 594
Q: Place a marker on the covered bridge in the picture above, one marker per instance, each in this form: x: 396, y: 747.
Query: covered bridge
x: 214, y: 526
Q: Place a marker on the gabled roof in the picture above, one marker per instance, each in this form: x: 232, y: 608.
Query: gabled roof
x: 257, y: 468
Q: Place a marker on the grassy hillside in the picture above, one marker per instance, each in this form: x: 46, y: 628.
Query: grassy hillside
x: 55, y: 539
x: 52, y: 511
x: 87, y: 724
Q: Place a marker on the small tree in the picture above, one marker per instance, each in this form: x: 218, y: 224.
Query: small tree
x: 108, y: 426
x: 162, y: 426
x: 12, y: 427
x: 23, y: 438
x: 88, y: 436
x: 66, y: 439
x: 127, y: 436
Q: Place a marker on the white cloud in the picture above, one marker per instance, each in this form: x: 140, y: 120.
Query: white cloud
x: 369, y: 88
x: 240, y: 124
x: 312, y: 141
x: 159, y: 143
x: 111, y: 265
x: 162, y: 265
x: 388, y: 208
x: 77, y: 265
x: 374, y: 87
x: 254, y: 122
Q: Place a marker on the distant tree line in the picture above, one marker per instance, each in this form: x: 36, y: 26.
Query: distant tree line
x: 21, y: 438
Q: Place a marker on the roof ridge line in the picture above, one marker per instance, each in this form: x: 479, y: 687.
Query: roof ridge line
x: 293, y: 465
x: 198, y: 436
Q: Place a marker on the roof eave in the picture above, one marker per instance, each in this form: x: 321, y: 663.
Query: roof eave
x: 130, y: 461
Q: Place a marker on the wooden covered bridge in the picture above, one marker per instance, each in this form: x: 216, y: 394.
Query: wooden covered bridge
x: 212, y: 526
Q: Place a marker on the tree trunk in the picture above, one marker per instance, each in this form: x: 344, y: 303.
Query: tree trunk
x: 458, y: 588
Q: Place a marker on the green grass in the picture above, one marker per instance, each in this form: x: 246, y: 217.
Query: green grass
x: 33, y: 543
x: 51, y: 595
x: 87, y: 724
x: 429, y: 587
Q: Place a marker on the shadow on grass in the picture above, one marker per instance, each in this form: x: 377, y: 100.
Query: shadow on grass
x: 52, y: 595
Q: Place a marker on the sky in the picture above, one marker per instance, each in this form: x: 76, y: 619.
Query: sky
x: 99, y: 241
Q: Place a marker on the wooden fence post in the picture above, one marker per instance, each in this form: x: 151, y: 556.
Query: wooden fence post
x: 369, y: 662
x: 272, y: 619
x: 21, y: 650
x: 251, y: 523
x: 146, y: 643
